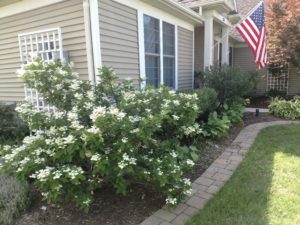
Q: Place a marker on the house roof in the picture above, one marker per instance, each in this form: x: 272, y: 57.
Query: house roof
x: 179, y: 9
x: 243, y: 7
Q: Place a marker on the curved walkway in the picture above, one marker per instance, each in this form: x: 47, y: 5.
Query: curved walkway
x: 209, y: 183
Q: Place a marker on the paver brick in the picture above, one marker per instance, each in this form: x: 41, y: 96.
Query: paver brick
x: 213, y: 189
x: 203, y: 194
x: 165, y: 215
x: 191, y: 211
x: 181, y: 219
x: 198, y: 187
x: 204, y: 181
x: 177, y: 210
x: 221, y: 177
x: 196, y: 202
x: 152, y: 220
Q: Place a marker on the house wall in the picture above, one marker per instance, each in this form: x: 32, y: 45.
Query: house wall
x: 185, y: 58
x: 243, y: 58
x: 199, y: 48
x: 119, y: 39
x: 68, y: 15
x: 119, y: 35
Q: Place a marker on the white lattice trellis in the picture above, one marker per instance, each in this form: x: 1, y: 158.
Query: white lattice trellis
x: 46, y: 44
x: 278, y: 82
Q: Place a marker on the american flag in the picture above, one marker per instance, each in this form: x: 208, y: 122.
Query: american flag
x: 253, y: 32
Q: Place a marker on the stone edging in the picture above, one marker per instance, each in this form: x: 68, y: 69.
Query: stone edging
x: 210, y: 182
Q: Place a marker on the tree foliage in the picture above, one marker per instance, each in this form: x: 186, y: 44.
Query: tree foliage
x: 283, y: 24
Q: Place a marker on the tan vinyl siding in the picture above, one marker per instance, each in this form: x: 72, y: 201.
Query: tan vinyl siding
x: 119, y: 39
x: 185, y: 58
x: 68, y: 15
x: 199, y: 48
x: 294, y: 81
x: 243, y: 58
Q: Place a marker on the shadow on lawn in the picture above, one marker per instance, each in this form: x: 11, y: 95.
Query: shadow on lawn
x: 264, y: 190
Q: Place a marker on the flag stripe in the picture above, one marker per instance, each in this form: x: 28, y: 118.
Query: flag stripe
x: 252, y: 29
x: 253, y: 26
x: 248, y: 40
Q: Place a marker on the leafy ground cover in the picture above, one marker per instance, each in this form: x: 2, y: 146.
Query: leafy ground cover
x: 264, y: 190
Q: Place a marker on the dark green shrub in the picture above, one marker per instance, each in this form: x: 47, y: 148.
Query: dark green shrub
x: 285, y: 109
x: 217, y: 126
x: 208, y: 100
x: 12, y: 129
x: 230, y: 82
x: 14, y: 199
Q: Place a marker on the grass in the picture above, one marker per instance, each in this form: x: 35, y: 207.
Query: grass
x: 265, y: 189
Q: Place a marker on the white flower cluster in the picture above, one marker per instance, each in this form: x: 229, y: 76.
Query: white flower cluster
x: 101, y: 111
x: 126, y: 161
x: 192, y: 130
x: 171, y: 201
x: 15, y: 151
x: 43, y: 174
x: 96, y: 157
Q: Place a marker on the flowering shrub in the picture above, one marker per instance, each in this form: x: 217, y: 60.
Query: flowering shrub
x: 285, y: 109
x: 108, y: 134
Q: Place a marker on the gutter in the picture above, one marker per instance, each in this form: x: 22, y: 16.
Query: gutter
x: 184, y: 10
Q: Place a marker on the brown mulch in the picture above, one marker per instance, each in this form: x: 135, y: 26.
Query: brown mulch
x: 259, y: 102
x: 111, y: 209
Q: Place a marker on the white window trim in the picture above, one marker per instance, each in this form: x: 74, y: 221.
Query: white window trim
x: 142, y: 49
x: 96, y: 39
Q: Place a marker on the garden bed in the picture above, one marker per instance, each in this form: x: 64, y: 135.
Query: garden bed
x: 111, y: 209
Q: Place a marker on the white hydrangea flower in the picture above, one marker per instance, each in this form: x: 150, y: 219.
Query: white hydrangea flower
x: 94, y: 130
x: 173, y: 154
x: 70, y: 139
x: 135, y: 131
x: 176, y: 102
x: 175, y: 117
x: 96, y: 157
x: 171, y: 201
x: 190, y: 163
x: 124, y: 140
x: 97, y: 112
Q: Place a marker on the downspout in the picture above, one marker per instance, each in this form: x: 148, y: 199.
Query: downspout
x: 89, y: 43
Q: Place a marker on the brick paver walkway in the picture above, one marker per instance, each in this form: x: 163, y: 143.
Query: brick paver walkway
x: 210, y: 182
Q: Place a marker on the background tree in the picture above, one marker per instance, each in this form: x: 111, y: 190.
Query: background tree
x: 283, y: 24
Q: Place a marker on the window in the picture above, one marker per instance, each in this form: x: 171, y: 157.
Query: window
x: 169, y: 54
x: 152, y: 50
x: 46, y: 44
x: 159, y: 41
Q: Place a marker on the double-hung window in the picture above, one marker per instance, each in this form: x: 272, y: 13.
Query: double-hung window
x: 160, y: 55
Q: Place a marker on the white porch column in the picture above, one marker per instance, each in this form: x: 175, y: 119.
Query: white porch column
x: 208, y: 41
x: 225, y: 45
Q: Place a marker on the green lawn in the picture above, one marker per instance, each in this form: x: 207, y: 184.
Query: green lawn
x: 265, y: 189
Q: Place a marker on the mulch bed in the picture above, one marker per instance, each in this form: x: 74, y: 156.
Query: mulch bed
x: 259, y: 102
x: 111, y: 209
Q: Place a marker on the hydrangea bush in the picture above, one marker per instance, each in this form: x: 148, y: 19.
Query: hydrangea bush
x: 104, y: 134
